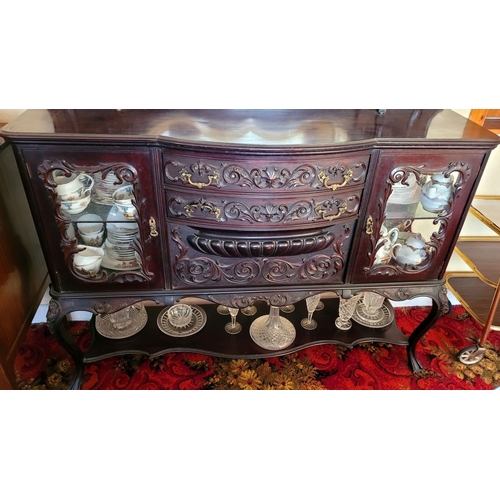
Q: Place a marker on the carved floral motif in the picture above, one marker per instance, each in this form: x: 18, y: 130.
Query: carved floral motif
x: 268, y: 177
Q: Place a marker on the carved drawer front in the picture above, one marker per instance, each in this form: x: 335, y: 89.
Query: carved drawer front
x: 262, y: 212
x: 206, y: 258
x: 323, y: 173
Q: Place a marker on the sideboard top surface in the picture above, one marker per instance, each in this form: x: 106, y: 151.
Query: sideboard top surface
x: 252, y: 129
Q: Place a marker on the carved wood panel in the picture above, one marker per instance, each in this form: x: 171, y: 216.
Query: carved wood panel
x: 192, y: 268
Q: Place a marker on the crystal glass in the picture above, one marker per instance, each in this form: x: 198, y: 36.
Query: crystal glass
x: 311, y: 303
x: 288, y: 309
x: 234, y: 326
x: 346, y: 310
x: 369, y: 311
x: 223, y: 310
x: 271, y: 331
x: 249, y: 311
x: 180, y: 315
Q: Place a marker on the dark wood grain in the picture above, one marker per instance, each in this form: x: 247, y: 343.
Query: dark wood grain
x: 264, y: 127
x: 23, y: 274
x: 259, y: 179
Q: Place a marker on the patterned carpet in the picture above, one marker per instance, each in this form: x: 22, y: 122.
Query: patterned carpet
x: 42, y: 364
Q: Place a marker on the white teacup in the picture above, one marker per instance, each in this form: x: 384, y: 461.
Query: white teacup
x: 391, y: 234
x: 93, y: 239
x: 77, y: 206
x: 90, y: 223
x: 73, y: 187
x: 88, y: 255
x: 123, y: 198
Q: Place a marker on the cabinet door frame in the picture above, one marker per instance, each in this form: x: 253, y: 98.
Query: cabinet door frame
x: 395, y: 166
x: 134, y: 165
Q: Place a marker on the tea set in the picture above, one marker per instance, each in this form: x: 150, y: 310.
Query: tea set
x: 74, y: 191
x: 412, y: 251
x: 436, y: 193
x: 75, y: 194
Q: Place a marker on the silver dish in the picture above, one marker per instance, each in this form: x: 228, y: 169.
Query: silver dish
x: 138, y: 317
x: 383, y: 317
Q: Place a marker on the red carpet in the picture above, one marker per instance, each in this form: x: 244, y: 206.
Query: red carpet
x: 42, y: 364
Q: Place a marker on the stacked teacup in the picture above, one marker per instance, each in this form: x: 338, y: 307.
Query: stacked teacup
x: 88, y: 260
x: 91, y: 229
x: 74, y: 191
x: 123, y: 198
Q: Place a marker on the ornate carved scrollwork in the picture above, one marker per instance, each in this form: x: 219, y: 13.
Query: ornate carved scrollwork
x: 264, y: 247
x: 267, y: 212
x: 268, y: 177
x: 203, y: 270
x: 124, y: 173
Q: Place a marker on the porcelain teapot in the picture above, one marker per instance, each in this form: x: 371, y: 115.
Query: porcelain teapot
x: 412, y: 252
x: 436, y: 193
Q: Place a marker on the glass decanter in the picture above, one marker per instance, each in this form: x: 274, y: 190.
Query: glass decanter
x: 271, y: 331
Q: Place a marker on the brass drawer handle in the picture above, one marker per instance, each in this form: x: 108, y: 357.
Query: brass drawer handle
x: 190, y: 208
x: 324, y: 179
x: 152, y: 227
x: 186, y: 176
x: 342, y: 210
x: 369, y: 225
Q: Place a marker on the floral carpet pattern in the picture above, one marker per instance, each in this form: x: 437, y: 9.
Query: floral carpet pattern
x: 42, y: 364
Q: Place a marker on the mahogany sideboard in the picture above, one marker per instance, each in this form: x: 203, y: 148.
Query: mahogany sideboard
x: 243, y: 207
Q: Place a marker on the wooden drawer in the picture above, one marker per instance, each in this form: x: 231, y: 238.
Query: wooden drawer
x: 262, y: 212
x: 207, y: 259
x: 258, y: 174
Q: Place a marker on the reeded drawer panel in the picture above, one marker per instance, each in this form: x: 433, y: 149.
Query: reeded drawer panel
x: 242, y: 211
x: 230, y: 259
x: 260, y: 174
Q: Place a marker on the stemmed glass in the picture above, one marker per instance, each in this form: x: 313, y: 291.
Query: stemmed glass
x: 223, y: 310
x: 249, y: 310
x: 311, y: 303
x: 234, y: 326
x: 346, y: 310
x: 287, y: 309
x: 271, y: 331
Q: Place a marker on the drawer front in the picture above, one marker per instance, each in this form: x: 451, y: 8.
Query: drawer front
x: 323, y: 173
x: 231, y: 259
x: 261, y: 212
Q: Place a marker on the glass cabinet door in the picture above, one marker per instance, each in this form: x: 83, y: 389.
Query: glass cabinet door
x: 105, y: 231
x: 415, y: 208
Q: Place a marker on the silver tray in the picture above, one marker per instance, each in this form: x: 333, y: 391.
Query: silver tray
x: 104, y: 326
x: 198, y: 321
x: 384, y: 317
